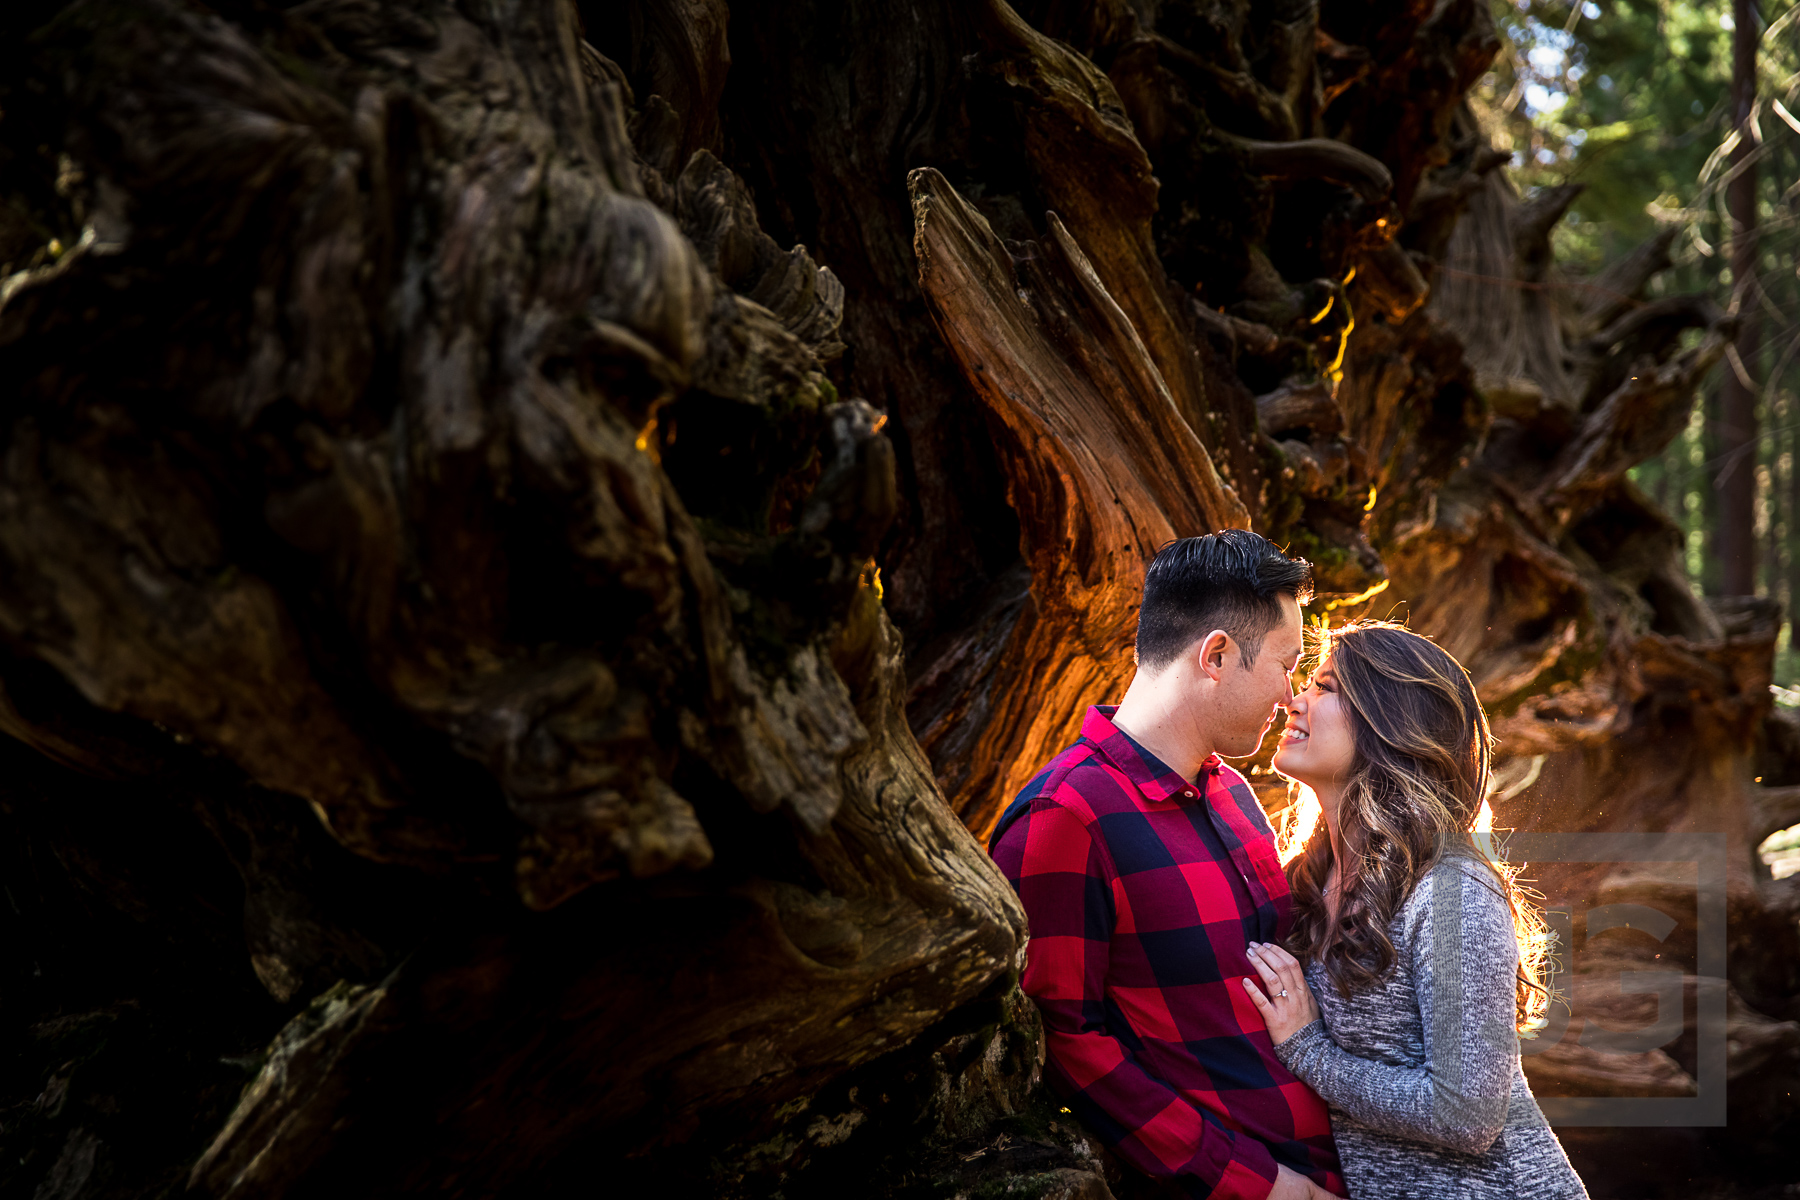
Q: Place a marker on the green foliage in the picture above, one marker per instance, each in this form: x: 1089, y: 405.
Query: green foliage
x: 1630, y: 98
x: 1610, y: 102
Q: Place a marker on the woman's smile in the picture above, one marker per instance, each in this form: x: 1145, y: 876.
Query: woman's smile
x: 1315, y: 711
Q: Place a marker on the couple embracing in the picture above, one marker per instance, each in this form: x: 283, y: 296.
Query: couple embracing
x: 1231, y: 1028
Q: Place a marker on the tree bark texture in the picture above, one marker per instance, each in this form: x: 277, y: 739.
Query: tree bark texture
x: 535, y: 538
x: 363, y: 508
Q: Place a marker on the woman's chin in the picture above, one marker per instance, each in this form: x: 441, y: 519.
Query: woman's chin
x: 1288, y: 764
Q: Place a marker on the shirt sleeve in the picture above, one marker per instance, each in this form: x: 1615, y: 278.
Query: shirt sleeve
x: 1465, y: 961
x: 1065, y: 884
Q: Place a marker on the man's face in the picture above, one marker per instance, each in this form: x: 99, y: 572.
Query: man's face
x: 1249, y: 696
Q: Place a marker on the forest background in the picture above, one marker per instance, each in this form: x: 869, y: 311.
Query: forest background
x: 1632, y: 102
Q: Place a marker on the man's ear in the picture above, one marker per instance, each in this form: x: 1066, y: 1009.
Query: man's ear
x: 1215, y: 651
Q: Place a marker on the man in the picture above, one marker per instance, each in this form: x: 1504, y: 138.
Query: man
x: 1146, y: 867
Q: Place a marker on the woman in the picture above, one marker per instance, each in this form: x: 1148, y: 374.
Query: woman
x: 1422, y: 961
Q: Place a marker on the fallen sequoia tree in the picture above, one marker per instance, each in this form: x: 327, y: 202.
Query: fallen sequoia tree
x: 534, y: 539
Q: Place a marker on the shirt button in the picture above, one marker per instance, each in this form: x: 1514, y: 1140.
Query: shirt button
x: 1189, y: 795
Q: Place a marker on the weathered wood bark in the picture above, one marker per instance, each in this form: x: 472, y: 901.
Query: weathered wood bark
x: 344, y: 448
x: 1101, y: 466
x: 467, y: 472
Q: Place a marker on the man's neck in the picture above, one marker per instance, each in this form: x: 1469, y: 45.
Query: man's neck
x: 1169, y: 731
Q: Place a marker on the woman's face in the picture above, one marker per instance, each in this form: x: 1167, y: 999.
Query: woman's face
x: 1317, y: 747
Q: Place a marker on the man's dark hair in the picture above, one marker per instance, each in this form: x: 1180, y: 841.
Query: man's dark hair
x: 1227, y: 580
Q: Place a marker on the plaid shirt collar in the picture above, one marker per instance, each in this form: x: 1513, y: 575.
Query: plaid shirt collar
x: 1149, y: 774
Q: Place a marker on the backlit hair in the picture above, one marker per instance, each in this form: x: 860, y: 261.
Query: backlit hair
x: 1415, y: 794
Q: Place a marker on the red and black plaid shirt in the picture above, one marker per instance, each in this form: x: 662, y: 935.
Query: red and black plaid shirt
x: 1143, y: 895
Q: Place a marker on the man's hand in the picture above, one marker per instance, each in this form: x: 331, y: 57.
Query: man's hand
x: 1291, y: 1185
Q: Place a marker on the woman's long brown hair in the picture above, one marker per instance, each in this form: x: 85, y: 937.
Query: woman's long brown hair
x: 1421, y: 772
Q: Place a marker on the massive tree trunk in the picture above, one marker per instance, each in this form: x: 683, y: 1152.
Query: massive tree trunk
x: 535, y: 538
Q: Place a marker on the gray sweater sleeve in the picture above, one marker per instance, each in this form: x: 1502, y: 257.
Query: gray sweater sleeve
x: 1464, y: 960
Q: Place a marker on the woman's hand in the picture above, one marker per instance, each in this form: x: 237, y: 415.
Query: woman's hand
x: 1289, y: 1004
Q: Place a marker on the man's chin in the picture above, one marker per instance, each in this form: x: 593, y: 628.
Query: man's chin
x: 1244, y: 750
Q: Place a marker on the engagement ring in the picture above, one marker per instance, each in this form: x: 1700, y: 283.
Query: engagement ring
x: 1282, y: 994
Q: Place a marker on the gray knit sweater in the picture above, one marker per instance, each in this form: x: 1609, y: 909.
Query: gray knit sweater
x: 1422, y: 1073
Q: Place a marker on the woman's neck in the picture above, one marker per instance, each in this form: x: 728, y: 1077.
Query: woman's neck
x: 1329, y: 799
x: 1339, y: 876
